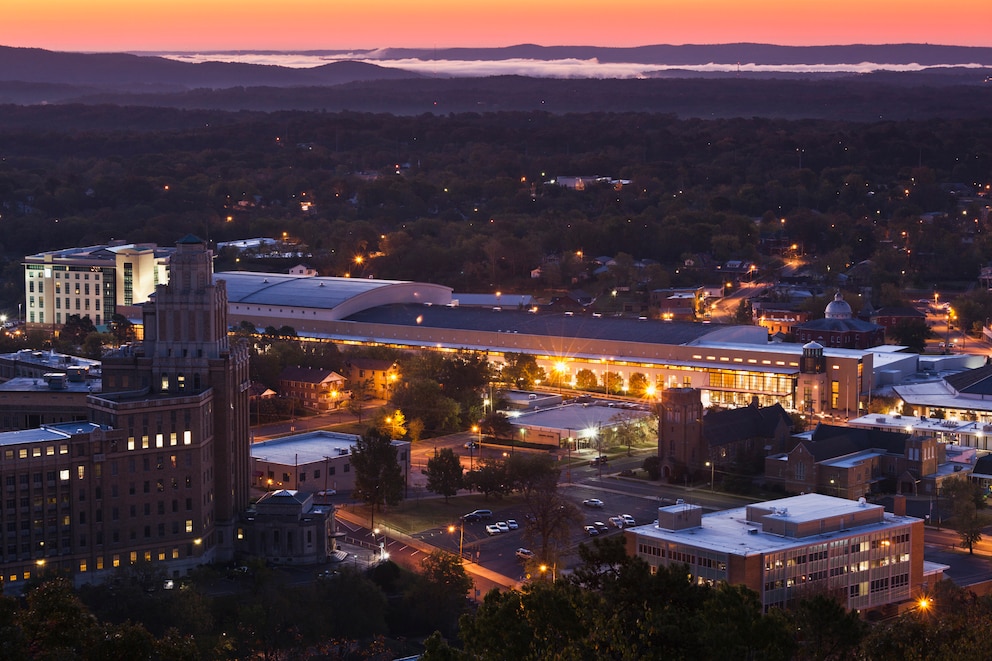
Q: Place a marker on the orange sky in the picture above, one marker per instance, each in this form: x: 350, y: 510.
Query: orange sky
x: 115, y: 25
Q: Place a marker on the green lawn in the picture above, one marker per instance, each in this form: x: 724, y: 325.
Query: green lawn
x: 417, y: 514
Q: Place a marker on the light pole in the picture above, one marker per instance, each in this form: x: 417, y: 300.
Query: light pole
x: 478, y: 432
x: 712, y: 469
x: 461, y: 538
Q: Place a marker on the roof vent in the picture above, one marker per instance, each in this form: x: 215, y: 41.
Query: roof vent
x: 752, y: 531
x: 321, y: 284
x: 862, y: 502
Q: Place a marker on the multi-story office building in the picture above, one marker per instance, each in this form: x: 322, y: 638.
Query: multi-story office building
x: 92, y: 281
x: 160, y: 472
x: 794, y: 547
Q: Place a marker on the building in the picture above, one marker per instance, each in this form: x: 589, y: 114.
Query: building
x: 286, y: 527
x: 311, y: 462
x: 378, y: 376
x: 839, y: 328
x: 691, y: 442
x: 791, y: 548
x: 888, y: 317
x: 729, y: 364
x: 160, y: 472
x: 36, y: 364
x: 314, y: 388
x: 92, y: 281
x: 27, y: 403
x: 851, y: 462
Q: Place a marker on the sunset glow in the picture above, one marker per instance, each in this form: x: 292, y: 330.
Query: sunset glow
x: 153, y: 25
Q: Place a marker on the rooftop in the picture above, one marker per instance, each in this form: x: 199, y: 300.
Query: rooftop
x: 305, y: 448
x: 730, y: 532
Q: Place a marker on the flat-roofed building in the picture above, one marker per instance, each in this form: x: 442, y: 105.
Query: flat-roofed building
x: 56, y: 397
x: 792, y: 548
x: 91, y: 281
x: 312, y: 462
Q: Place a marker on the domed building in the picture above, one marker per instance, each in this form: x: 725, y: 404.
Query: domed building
x: 840, y: 329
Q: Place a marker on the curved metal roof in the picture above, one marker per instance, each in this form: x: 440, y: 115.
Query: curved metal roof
x: 341, y: 296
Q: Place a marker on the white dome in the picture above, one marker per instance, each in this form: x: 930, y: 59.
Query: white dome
x: 838, y: 308
x: 812, y: 345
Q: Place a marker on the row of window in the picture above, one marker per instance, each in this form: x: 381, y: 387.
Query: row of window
x: 83, y: 566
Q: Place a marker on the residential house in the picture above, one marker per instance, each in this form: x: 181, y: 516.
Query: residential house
x: 315, y: 388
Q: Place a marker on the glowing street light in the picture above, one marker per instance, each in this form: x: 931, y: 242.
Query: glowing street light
x: 461, y: 538
x: 712, y: 468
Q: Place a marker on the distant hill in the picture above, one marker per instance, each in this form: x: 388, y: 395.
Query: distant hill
x: 698, y: 54
x: 122, y: 71
x: 33, y: 76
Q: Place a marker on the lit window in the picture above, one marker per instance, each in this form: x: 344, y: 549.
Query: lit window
x: 187, y: 437
x: 64, y: 474
x: 159, y: 440
x: 130, y: 442
x: 189, y: 525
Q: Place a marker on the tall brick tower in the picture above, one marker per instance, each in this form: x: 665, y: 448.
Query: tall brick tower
x: 680, y: 432
x: 185, y: 389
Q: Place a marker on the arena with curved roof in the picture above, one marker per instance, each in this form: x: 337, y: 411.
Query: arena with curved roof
x: 731, y: 365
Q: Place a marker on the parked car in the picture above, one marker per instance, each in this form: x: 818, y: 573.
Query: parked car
x: 593, y: 502
x: 471, y: 517
x: 471, y: 445
x: 601, y: 460
x: 512, y: 524
x: 592, y: 531
x: 600, y: 525
x: 524, y: 554
x: 478, y: 515
x: 493, y: 529
x: 628, y: 520
x: 503, y: 526
x: 616, y: 521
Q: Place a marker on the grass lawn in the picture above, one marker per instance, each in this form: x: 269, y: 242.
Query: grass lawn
x: 417, y: 514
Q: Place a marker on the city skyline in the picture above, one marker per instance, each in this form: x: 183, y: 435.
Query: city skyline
x: 182, y: 25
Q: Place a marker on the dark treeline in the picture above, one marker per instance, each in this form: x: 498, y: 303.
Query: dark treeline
x: 464, y: 199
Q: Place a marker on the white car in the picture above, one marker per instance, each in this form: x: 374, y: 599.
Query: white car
x: 512, y: 524
x: 593, y: 502
x: 524, y: 554
x: 628, y: 520
x: 616, y: 521
x: 493, y: 529
x: 592, y: 531
x: 503, y: 527
x: 601, y: 526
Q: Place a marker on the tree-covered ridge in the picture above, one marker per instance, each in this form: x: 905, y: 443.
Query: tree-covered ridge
x: 466, y: 199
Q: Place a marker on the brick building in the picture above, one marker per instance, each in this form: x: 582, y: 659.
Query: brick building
x: 794, y: 547
x: 159, y: 473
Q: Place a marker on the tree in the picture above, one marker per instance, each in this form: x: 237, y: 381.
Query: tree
x: 638, y: 384
x: 652, y: 465
x: 744, y: 314
x: 75, y: 330
x: 612, y: 382
x: 444, y: 474
x: 966, y: 499
x: 824, y: 630
x: 390, y: 423
x: 490, y: 478
x: 913, y: 333
x: 585, y: 379
x: 378, y: 479
x: 359, y: 393
x: 123, y: 330
x: 497, y: 425
x: 445, y: 585
x: 522, y: 371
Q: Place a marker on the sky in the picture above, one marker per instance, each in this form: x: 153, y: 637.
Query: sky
x: 198, y: 25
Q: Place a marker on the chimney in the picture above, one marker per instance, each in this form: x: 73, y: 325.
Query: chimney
x: 899, y: 505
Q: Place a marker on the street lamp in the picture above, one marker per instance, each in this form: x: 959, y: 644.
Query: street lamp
x: 478, y: 432
x: 461, y: 538
x: 712, y: 468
